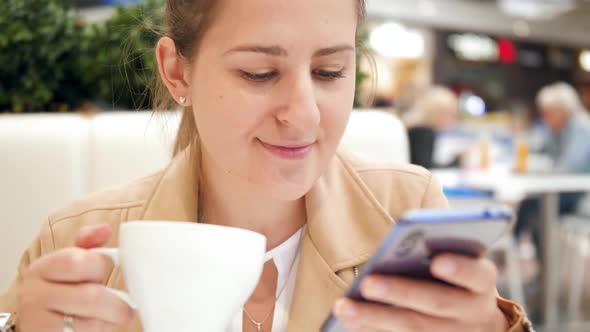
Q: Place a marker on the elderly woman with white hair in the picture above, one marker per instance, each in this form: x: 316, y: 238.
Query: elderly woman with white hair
x: 566, y: 141
x: 568, y: 138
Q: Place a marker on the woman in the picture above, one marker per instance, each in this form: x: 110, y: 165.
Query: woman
x: 436, y: 111
x: 267, y: 88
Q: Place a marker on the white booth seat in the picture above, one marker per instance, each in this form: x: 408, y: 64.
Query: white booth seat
x: 51, y: 159
x: 376, y: 136
x: 127, y: 145
x: 43, y: 165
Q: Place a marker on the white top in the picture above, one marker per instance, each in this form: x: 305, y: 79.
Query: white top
x: 286, y: 259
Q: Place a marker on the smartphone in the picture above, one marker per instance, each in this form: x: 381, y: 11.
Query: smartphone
x: 423, y: 234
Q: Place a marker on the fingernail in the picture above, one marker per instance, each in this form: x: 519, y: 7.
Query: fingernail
x: 445, y: 266
x: 374, y: 288
x: 344, y: 309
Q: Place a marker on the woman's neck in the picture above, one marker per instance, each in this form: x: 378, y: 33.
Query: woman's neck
x: 226, y: 200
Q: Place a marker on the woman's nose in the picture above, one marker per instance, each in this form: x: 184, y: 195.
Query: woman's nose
x: 301, y: 110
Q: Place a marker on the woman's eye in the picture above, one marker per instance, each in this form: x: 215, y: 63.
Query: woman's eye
x: 321, y: 74
x: 258, y: 77
x: 328, y: 75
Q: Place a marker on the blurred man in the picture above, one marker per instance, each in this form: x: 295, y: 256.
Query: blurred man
x: 567, y: 141
x: 568, y: 136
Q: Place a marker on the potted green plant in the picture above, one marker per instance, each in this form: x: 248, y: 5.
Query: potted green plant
x: 117, y: 58
x: 38, y: 39
x: 51, y: 60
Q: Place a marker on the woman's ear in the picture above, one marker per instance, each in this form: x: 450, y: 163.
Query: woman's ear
x: 173, y: 70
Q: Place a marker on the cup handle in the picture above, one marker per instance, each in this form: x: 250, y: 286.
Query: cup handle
x: 113, y: 255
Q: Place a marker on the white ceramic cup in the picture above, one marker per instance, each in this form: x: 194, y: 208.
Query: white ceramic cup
x: 184, y: 276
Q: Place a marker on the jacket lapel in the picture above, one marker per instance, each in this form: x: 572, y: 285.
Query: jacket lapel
x: 345, y: 225
x: 175, y: 197
x: 316, y: 290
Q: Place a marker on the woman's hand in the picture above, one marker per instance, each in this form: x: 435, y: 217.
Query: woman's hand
x: 68, y: 282
x: 429, y: 306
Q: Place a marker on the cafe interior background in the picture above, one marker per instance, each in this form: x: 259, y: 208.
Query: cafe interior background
x: 74, y: 118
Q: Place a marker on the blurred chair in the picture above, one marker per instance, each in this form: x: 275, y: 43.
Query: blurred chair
x: 44, y: 165
x: 422, y: 146
x: 574, y: 231
x: 376, y: 136
x: 583, y: 208
x: 575, y: 240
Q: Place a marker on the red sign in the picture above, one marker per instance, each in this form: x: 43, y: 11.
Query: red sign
x: 506, y: 51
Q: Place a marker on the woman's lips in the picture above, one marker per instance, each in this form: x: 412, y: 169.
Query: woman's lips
x: 288, y: 151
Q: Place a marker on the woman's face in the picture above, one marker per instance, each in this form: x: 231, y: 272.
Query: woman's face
x: 272, y: 87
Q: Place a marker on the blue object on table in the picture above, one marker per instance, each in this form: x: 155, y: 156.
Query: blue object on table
x: 463, y: 192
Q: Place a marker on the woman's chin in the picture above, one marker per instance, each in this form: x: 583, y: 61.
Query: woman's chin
x: 289, y: 190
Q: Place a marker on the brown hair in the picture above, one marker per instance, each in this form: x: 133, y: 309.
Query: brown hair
x: 185, y: 22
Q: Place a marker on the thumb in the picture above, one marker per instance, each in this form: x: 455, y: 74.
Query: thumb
x: 93, y: 236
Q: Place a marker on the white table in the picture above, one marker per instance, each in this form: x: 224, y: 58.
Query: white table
x: 513, y: 188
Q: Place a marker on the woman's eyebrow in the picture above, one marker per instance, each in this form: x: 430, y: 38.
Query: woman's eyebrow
x: 334, y: 49
x: 268, y: 50
x: 281, y: 52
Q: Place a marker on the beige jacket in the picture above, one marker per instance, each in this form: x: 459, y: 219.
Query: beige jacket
x: 349, y: 210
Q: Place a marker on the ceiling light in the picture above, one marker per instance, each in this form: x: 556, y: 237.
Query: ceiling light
x: 536, y: 9
x: 394, y: 40
x: 473, y: 47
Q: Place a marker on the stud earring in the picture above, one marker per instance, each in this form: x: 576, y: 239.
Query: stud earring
x: 182, y: 100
